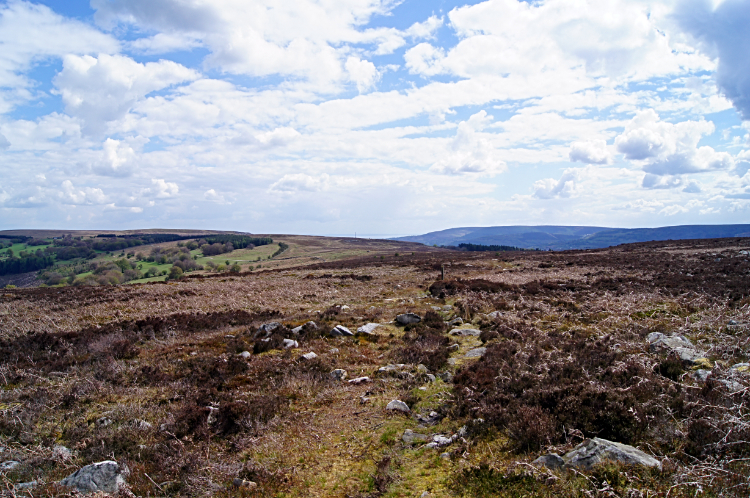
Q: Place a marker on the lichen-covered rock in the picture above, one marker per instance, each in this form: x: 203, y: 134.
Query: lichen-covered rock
x: 266, y: 329
x: 475, y: 353
x: 597, y: 450
x: 339, y: 374
x: 410, y: 437
x: 408, y: 318
x: 675, y: 344
x: 104, y: 476
x: 465, y: 332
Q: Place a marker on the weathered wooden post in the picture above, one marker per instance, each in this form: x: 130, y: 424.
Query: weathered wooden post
x: 442, y: 272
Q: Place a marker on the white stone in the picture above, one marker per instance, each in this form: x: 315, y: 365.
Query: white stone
x: 597, y: 450
x: 397, y: 405
x: 465, y: 332
x: 104, y: 476
x: 309, y: 356
x: 340, y: 330
x: 289, y: 343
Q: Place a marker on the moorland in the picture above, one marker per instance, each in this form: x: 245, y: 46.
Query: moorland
x: 202, y: 383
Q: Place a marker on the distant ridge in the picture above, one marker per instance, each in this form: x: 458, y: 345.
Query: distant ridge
x: 572, y: 237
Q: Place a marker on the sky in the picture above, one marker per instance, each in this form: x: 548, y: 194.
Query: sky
x: 379, y: 117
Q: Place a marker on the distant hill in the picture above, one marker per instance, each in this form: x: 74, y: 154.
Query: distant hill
x: 572, y: 237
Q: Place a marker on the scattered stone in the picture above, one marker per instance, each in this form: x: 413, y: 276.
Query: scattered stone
x: 422, y: 369
x: 363, y: 400
x: 701, y: 374
x: 445, y: 456
x: 677, y: 344
x: 194, y: 353
x: 9, y: 465
x: 425, y: 494
x: 410, y: 437
x: 344, y: 307
x: 447, y: 307
x: 495, y: 314
x: 393, y: 367
x: 338, y: 374
x: 453, y: 347
x: 267, y: 328
x: 60, y: 452
x: 397, y: 405
x: 475, y: 353
x: 436, y: 308
x: 465, y: 332
x: 431, y: 419
x: 456, y: 321
x: 289, y: 343
x: 305, y: 327
x: 246, y: 354
x: 229, y: 336
x: 596, y: 450
x: 242, y: 483
x: 446, y: 376
x: 340, y: 330
x: 103, y: 421
x: 741, y: 367
x: 408, y: 318
x: 368, y: 330
x: 334, y: 350
x: 359, y: 380
x: 25, y: 485
x: 309, y: 356
x: 439, y: 440
x: 552, y: 461
x: 104, y: 476
x: 431, y: 377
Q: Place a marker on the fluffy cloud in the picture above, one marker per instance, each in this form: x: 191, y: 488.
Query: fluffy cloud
x: 163, y: 188
x: 105, y: 88
x: 723, y: 29
x: 470, y: 151
x: 116, y: 159
x: 669, y: 149
x: 30, y: 34
x: 300, y: 182
x: 4, y: 143
x: 362, y: 73
x: 550, y: 188
x: 69, y: 194
x: 593, y: 152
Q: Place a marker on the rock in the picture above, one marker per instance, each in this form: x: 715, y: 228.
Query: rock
x: 597, y: 450
x: 431, y: 419
x: 740, y: 367
x: 422, y: 369
x: 334, y: 351
x: 25, y: 485
x: 367, y: 329
x: 309, y: 356
x: 242, y: 483
x: 445, y: 456
x: 289, y: 343
x: 103, y: 421
x: 359, y: 380
x: 246, y: 354
x: 397, y: 405
x: 456, y: 321
x: 104, y: 476
x: 552, y: 461
x: 495, y: 314
x: 338, y: 374
x: 704, y: 363
x: 447, y: 307
x: 340, y: 330
x: 60, y: 452
x: 408, y: 318
x: 267, y: 328
x: 393, y: 367
x: 446, y: 376
x: 701, y: 374
x: 9, y: 465
x: 453, y: 347
x: 439, y: 440
x: 465, y: 332
x: 676, y: 344
x: 305, y: 327
x: 431, y: 377
x: 410, y: 437
x: 475, y: 353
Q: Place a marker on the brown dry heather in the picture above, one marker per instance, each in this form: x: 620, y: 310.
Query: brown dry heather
x: 152, y: 376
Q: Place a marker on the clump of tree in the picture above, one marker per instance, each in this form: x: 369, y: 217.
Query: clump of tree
x: 26, y: 262
x: 220, y: 244
x: 489, y: 248
x: 283, y: 247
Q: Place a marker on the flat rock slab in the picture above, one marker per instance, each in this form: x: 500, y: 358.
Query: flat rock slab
x: 309, y: 356
x: 597, y: 450
x: 408, y: 318
x: 359, y: 380
x: 552, y: 461
x: 367, y: 329
x: 475, y: 353
x: 465, y: 332
x: 410, y: 437
x: 341, y: 331
x: 104, y: 476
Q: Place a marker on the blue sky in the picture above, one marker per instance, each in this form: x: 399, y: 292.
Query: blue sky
x: 373, y: 116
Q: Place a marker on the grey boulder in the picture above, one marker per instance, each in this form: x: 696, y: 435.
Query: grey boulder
x: 104, y: 476
x: 267, y: 328
x: 338, y: 374
x: 597, y: 450
x: 465, y: 332
x: 552, y: 461
x: 341, y: 331
x: 408, y: 318
x: 397, y: 405
x: 289, y: 343
x: 308, y: 356
x: 475, y: 353
x: 676, y: 344
x: 410, y: 437
x: 367, y: 330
